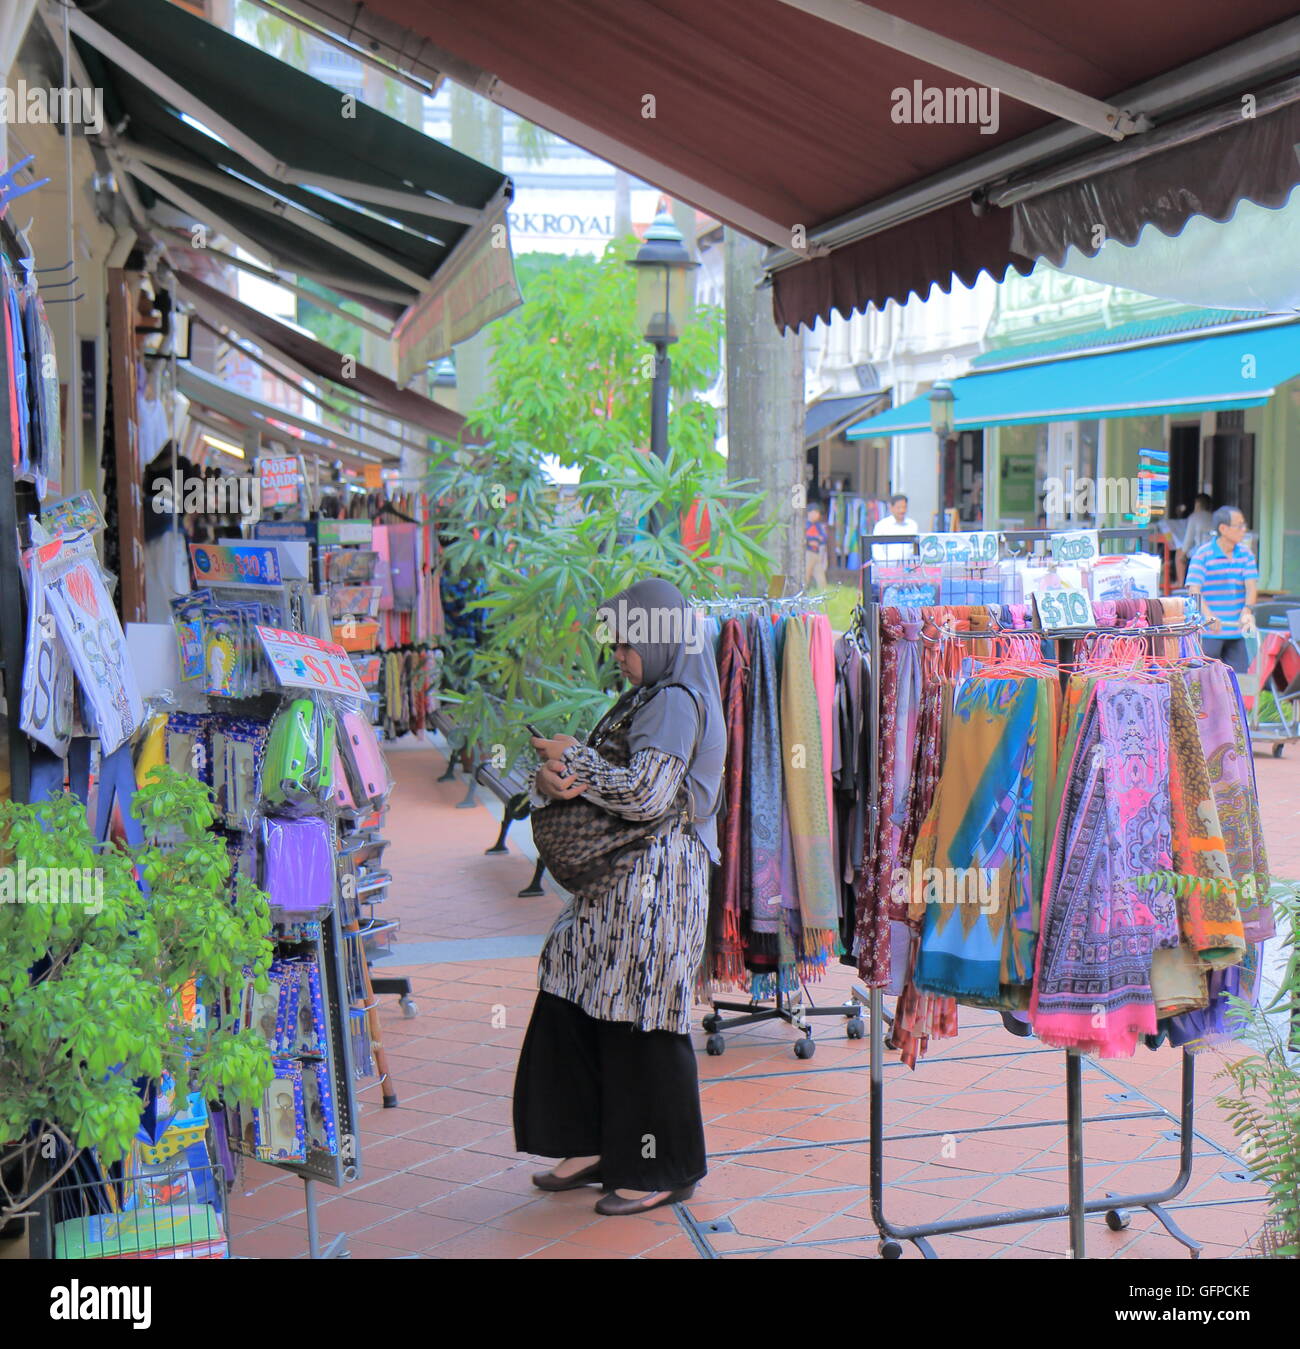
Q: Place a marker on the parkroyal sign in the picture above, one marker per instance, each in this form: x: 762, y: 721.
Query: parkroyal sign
x: 479, y: 286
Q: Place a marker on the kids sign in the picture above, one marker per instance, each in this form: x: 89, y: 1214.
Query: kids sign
x: 302, y: 662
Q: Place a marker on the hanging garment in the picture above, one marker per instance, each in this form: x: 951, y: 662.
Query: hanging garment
x: 978, y: 930
x: 806, y: 795
x: 1106, y: 907
x: 1221, y: 725
x: 1207, y: 898
x: 763, y: 795
x: 850, y: 775
x: 727, y: 952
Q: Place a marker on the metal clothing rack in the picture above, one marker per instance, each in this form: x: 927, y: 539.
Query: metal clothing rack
x: 757, y: 1010
x: 1076, y: 1207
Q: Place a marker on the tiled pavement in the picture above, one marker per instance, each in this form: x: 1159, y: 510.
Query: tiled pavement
x: 974, y: 1130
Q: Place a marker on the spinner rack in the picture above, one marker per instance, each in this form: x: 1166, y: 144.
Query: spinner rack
x: 1077, y: 1207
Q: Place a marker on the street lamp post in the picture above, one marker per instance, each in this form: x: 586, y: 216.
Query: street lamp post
x: 665, y: 291
x: 941, y: 401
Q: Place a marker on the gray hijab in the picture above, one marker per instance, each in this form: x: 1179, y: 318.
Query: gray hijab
x: 655, y: 620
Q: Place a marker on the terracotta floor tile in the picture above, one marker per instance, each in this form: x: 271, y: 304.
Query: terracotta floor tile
x: 487, y: 1243
x: 406, y: 1190
x: 416, y: 1231
x: 475, y: 1204
x: 567, y: 1250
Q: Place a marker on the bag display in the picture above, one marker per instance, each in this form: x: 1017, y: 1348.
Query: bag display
x: 298, y: 865
x: 298, y: 768
x: 581, y: 843
x: 363, y: 759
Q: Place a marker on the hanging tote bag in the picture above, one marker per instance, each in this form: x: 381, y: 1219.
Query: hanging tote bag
x: 581, y: 843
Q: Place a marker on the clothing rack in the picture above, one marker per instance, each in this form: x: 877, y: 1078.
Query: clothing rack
x: 754, y: 1011
x: 1077, y: 1207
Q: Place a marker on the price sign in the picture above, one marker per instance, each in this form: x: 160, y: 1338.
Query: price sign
x: 1058, y: 609
x: 303, y: 662
x: 225, y: 564
x: 977, y: 546
x: 1075, y: 546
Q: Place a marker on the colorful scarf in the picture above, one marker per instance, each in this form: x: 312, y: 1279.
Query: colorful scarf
x: 1221, y: 726
x: 1104, y: 913
x: 805, y: 791
x: 978, y: 838
x: 763, y: 800
x: 727, y: 949
x: 1207, y: 894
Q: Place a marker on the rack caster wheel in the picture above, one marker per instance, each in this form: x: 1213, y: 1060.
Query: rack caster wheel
x: 805, y: 1048
x: 1118, y: 1219
x: 855, y: 1028
x: 710, y: 1022
x: 1277, y: 751
x: 714, y: 1045
x: 890, y: 1250
x: 409, y: 1009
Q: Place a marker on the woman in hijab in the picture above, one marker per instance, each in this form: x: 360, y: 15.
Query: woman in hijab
x: 606, y: 1078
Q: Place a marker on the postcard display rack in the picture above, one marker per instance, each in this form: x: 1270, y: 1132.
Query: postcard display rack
x: 295, y: 771
x: 343, y: 570
x: 972, y: 568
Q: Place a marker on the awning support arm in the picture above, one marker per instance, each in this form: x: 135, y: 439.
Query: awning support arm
x: 934, y: 49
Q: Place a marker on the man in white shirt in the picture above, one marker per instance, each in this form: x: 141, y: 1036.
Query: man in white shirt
x: 896, y: 522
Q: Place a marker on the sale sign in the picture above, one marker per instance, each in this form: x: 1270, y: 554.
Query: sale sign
x: 302, y: 662
x: 281, y: 481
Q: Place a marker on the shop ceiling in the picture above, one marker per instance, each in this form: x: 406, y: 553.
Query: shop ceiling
x: 779, y: 117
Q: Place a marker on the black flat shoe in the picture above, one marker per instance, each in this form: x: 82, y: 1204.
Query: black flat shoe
x: 613, y: 1206
x: 548, y: 1180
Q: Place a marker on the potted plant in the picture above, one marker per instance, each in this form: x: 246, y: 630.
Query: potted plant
x: 1264, y: 1106
x: 90, y: 968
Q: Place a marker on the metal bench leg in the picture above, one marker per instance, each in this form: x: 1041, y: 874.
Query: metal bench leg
x: 450, y: 774
x: 534, y: 887
x: 500, y: 845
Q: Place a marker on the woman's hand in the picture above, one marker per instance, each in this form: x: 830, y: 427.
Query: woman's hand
x: 557, y: 783
x: 553, y: 748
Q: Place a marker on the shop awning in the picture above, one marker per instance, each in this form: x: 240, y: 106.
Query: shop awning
x: 833, y: 412
x: 307, y: 179
x: 300, y: 433
x: 1233, y: 370
x: 404, y: 404
x: 798, y: 121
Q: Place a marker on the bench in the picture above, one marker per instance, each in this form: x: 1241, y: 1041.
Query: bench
x: 443, y: 723
x: 510, y: 787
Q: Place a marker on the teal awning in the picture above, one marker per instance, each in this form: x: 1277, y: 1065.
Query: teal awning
x: 1231, y: 370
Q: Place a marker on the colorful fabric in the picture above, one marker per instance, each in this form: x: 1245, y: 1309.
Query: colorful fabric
x: 821, y: 654
x: 1221, y: 726
x: 1207, y: 907
x: 727, y: 953
x: 763, y: 798
x: 1222, y: 578
x: 1105, y: 912
x: 806, y: 797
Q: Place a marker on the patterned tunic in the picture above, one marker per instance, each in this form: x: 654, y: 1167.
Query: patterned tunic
x: 630, y: 950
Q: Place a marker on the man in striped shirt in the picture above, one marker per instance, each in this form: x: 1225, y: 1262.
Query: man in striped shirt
x: 1222, y: 574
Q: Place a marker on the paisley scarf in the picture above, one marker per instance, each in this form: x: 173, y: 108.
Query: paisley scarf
x: 763, y: 799
x: 727, y: 954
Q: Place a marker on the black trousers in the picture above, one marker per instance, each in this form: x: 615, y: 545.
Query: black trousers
x: 589, y: 1088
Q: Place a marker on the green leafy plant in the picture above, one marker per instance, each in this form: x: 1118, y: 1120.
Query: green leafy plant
x: 572, y: 384
x: 1264, y: 1105
x: 88, y: 989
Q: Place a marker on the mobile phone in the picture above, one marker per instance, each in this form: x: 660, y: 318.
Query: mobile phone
x: 533, y: 730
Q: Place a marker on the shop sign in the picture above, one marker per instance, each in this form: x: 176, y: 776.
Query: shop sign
x: 231, y: 564
x: 302, y: 662
x: 979, y: 546
x: 1064, y: 608
x: 472, y: 289
x: 1076, y: 546
x: 281, y: 481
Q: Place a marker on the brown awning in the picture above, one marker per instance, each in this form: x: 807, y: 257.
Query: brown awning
x: 405, y: 404
x: 779, y: 121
